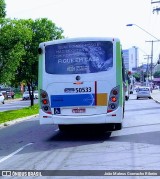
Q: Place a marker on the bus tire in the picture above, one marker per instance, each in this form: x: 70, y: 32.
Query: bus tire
x: 126, y: 97
x: 108, y: 134
x: 118, y: 126
x: 62, y: 127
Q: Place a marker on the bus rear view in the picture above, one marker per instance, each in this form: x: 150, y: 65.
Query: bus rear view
x: 80, y: 83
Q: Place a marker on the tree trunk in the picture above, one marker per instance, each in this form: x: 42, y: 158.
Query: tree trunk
x: 31, y: 92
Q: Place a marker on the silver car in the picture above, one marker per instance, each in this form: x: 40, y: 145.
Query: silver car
x: 144, y: 92
x: 26, y: 95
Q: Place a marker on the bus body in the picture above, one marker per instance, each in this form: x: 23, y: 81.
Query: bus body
x: 80, y: 82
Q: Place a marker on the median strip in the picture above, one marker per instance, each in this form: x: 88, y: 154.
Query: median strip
x: 23, y: 113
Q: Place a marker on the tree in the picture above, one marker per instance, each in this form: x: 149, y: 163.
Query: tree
x: 14, y: 36
x: 2, y: 9
x: 19, y: 41
x: 137, y: 76
x: 42, y: 30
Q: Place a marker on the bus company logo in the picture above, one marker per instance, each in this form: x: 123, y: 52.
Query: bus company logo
x: 69, y: 90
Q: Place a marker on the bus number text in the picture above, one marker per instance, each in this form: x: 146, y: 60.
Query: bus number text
x: 83, y: 90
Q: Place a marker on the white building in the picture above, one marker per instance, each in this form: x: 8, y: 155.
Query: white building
x: 131, y: 58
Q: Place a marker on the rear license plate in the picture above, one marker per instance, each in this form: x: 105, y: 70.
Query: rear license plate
x: 78, y: 110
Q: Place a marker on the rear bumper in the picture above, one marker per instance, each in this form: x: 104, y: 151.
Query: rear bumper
x: 112, y: 117
x: 143, y: 96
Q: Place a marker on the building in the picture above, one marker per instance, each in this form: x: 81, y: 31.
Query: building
x: 131, y: 58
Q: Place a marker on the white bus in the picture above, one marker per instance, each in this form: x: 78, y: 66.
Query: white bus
x: 81, y: 82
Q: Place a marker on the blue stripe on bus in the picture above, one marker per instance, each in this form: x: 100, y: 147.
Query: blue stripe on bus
x: 72, y: 100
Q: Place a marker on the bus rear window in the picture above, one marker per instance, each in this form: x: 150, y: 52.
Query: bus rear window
x: 79, y: 57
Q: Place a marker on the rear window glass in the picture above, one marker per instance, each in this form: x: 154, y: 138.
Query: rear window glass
x: 79, y: 57
x: 143, y: 89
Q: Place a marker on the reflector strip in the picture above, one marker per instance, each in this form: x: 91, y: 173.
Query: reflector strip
x: 101, y: 99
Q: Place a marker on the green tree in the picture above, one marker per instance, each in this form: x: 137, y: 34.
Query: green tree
x: 137, y: 76
x: 19, y: 41
x: 15, y: 34
x: 42, y: 30
x: 2, y: 8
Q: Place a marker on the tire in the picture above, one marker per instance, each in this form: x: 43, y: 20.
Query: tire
x: 137, y: 97
x: 126, y: 98
x: 2, y: 102
x: 108, y: 134
x: 118, y: 126
x: 63, y: 128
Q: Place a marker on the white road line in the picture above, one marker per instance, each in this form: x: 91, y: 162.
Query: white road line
x: 12, y: 154
x: 57, y: 130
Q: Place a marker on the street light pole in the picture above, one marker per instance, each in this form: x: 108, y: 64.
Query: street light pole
x: 147, y: 41
x: 143, y: 30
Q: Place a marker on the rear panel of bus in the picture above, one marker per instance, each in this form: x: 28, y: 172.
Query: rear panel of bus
x: 80, y: 82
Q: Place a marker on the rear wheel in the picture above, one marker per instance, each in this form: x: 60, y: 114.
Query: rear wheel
x: 108, y: 134
x: 126, y: 97
x: 62, y: 127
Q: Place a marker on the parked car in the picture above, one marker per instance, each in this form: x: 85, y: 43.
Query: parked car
x: 36, y: 95
x: 26, y: 95
x: 10, y: 94
x: 144, y: 92
x: 1, y: 98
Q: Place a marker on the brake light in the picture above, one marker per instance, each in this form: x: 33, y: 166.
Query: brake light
x: 113, y: 99
x: 115, y: 92
x: 44, y: 95
x: 44, y: 101
x: 45, y: 106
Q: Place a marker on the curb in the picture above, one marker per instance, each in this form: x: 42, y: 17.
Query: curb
x: 156, y: 101
x: 15, y: 121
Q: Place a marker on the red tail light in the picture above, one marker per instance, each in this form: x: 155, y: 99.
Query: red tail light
x: 44, y: 101
x: 113, y: 99
x: 45, y: 106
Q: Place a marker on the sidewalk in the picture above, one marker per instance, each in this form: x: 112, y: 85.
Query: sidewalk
x: 156, y: 95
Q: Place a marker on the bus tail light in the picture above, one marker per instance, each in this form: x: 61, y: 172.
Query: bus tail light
x: 44, y: 102
x: 113, y: 99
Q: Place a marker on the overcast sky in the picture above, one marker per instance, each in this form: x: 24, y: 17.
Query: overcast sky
x: 102, y: 18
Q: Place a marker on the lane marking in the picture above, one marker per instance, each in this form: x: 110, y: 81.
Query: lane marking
x: 56, y: 130
x: 14, y: 153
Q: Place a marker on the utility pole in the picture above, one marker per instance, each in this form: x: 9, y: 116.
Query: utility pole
x: 151, y: 68
x: 157, y: 8
x: 147, y: 70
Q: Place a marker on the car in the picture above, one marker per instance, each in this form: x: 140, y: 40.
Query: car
x: 26, y: 95
x: 144, y: 92
x: 1, y: 98
x: 36, y: 95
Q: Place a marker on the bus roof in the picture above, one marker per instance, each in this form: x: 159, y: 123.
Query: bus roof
x: 66, y: 40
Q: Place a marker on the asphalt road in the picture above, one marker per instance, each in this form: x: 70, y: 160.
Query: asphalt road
x: 30, y: 146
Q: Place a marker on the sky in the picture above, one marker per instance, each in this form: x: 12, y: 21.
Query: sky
x: 97, y: 18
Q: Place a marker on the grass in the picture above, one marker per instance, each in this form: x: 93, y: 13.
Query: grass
x: 18, y: 95
x: 6, y: 116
